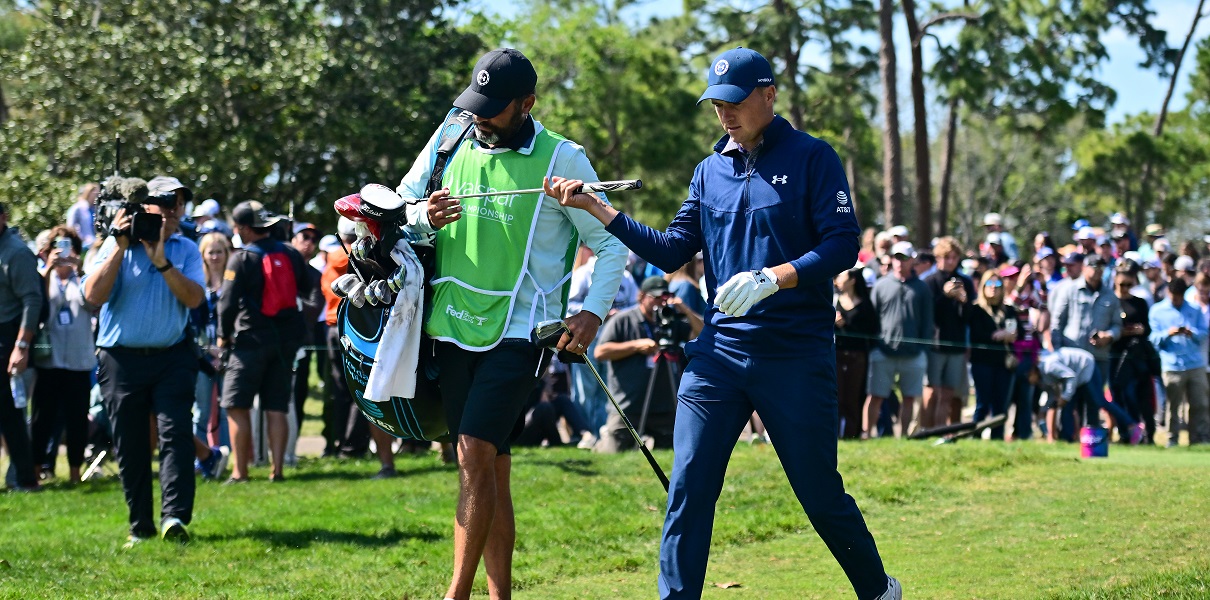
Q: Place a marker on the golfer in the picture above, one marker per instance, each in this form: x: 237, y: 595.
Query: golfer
x: 503, y: 263
x: 771, y: 213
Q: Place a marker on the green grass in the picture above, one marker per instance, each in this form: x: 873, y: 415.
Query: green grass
x: 972, y: 520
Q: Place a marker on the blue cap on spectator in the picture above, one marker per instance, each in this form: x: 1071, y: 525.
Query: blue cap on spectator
x: 1079, y: 224
x: 301, y: 227
x: 1103, y: 240
x: 1073, y: 258
x: 1043, y: 252
x: 734, y: 74
x: 1152, y: 263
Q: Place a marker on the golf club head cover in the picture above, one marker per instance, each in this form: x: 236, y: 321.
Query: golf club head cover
x: 349, y: 207
x: 381, y: 204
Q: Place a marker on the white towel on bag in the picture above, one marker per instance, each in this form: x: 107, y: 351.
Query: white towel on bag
x: 394, y: 371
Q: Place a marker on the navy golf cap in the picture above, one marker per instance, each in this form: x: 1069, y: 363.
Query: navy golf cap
x: 735, y: 73
x: 500, y: 77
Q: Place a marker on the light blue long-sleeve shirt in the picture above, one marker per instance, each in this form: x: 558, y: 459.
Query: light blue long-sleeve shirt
x: 555, y: 225
x: 1178, y: 352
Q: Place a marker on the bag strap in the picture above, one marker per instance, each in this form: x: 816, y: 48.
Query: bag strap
x: 453, y: 131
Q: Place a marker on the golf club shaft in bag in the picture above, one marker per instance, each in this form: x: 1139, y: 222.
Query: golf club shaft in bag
x: 588, y: 188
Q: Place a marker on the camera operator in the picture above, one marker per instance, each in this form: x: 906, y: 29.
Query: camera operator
x: 634, y: 342
x: 145, y: 286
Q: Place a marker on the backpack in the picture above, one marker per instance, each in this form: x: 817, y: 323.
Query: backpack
x: 280, y: 290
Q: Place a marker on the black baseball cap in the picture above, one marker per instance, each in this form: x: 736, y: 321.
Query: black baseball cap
x: 734, y: 74
x: 500, y: 77
x: 654, y: 286
x: 251, y: 213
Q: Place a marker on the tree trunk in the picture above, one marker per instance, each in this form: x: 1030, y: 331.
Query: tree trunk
x: 1176, y: 69
x: 787, y: 17
x: 924, y: 184
x: 1148, y: 167
x: 892, y: 160
x: 3, y: 107
x: 947, y: 169
x: 850, y: 163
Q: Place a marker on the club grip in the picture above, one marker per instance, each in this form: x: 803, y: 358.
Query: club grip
x: 612, y: 186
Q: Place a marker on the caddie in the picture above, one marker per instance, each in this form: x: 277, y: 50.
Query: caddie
x: 771, y: 213
x: 503, y: 264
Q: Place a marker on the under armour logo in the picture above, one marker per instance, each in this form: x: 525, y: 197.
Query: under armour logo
x: 780, y: 178
x: 483, y: 78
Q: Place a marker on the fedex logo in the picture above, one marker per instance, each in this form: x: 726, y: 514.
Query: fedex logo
x: 464, y: 315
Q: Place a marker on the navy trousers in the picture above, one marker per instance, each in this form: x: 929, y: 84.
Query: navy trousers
x: 796, y: 399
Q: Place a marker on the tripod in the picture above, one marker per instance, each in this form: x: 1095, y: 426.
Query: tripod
x: 668, y: 356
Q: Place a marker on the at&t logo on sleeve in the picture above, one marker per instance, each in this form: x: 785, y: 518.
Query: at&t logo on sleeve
x: 843, y: 200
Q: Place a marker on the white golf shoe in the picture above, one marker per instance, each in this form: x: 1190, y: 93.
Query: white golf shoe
x: 894, y: 591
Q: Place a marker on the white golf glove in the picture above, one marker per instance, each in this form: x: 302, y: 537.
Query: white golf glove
x: 736, y: 297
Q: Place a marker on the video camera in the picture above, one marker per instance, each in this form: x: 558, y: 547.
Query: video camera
x: 672, y: 329
x: 129, y: 193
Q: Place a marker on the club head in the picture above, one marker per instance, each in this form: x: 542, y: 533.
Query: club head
x: 397, y: 279
x: 378, y: 293
x: 547, y: 333
x: 343, y: 284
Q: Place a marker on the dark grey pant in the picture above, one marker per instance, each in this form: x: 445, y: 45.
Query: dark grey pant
x: 136, y: 387
x: 12, y: 419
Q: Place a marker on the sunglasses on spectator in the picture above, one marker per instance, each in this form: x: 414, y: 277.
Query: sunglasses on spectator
x: 995, y: 283
x: 311, y: 238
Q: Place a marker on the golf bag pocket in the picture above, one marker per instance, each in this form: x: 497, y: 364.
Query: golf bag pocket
x: 420, y: 418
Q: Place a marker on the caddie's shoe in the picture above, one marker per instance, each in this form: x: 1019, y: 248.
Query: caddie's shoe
x: 894, y: 591
x: 385, y: 473
x: 172, y: 529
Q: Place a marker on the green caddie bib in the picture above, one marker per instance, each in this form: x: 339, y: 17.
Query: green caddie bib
x: 481, y: 258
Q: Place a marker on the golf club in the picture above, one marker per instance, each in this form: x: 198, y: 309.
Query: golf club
x: 588, y: 188
x: 546, y: 335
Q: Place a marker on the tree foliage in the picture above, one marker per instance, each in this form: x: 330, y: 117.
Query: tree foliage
x: 626, y: 95
x: 833, y: 98
x: 290, y: 103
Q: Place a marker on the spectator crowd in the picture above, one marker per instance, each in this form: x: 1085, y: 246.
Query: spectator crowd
x: 1109, y: 329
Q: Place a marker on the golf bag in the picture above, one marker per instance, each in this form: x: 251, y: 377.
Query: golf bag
x: 420, y: 418
x: 361, y: 324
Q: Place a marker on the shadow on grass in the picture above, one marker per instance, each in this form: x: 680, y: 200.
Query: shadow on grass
x: 304, y: 538
x: 575, y: 466
x: 347, y: 475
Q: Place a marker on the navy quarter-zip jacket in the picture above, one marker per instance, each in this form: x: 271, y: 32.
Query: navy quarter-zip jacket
x: 791, y: 204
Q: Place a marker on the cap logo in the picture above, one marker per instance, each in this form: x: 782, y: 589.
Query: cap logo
x: 482, y: 78
x: 721, y: 67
